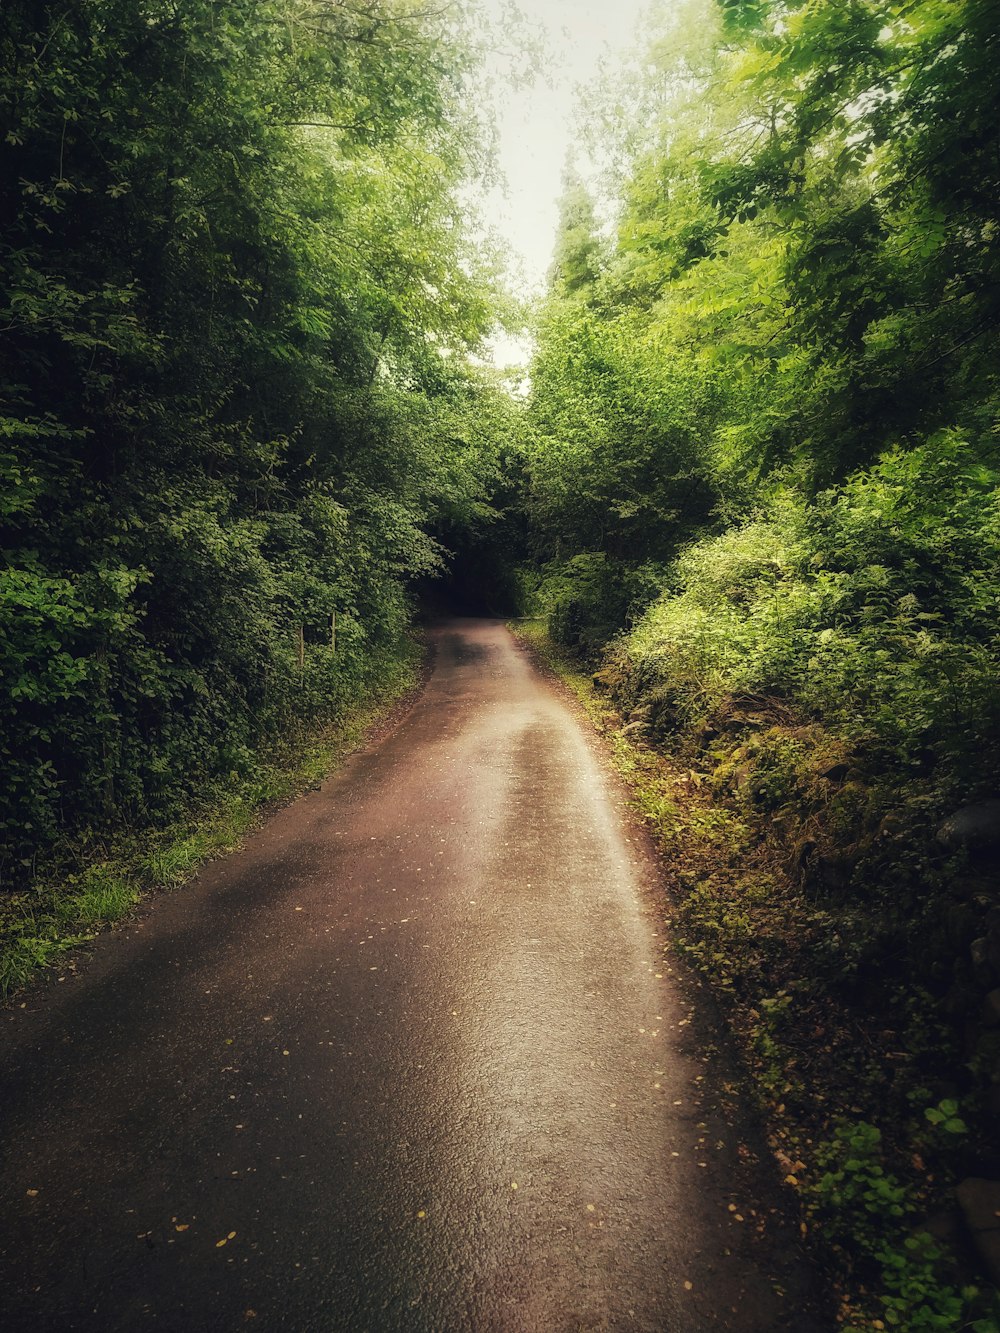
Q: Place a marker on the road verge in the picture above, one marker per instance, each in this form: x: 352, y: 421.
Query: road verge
x: 96, y: 883
x: 872, y: 1151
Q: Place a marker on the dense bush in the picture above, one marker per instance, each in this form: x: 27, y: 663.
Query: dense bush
x: 871, y: 606
x: 874, y: 607
x: 588, y: 597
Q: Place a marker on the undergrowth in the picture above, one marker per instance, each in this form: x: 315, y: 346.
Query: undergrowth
x: 853, y: 1064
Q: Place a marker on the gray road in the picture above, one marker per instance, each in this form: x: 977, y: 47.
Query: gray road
x: 414, y: 1059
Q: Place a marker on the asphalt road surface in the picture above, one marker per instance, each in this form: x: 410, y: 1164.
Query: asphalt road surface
x: 414, y: 1059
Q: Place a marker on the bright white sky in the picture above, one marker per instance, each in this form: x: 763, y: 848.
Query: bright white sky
x: 536, y: 127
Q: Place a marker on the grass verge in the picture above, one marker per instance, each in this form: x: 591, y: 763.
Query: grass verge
x: 95, y: 886
x: 849, y: 1063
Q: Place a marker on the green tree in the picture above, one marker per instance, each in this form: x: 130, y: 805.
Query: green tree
x: 235, y: 280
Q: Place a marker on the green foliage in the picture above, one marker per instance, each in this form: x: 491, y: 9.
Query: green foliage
x: 864, y: 1208
x: 577, y: 260
x: 236, y: 297
x: 872, y: 607
x: 945, y: 1117
x: 585, y: 599
x: 855, y: 1191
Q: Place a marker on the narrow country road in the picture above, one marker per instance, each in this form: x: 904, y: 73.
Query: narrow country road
x: 412, y: 1060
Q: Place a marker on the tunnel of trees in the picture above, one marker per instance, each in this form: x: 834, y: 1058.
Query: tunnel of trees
x: 753, y: 484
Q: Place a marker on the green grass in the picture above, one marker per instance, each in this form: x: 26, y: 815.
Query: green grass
x: 97, y: 888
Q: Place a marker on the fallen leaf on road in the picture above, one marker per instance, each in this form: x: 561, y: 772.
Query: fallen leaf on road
x: 182, y: 1226
x: 32, y: 1194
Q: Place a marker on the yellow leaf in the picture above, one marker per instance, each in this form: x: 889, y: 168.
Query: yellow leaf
x: 182, y: 1226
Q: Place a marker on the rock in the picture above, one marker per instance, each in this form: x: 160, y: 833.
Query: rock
x: 836, y: 772
x: 975, y: 827
x: 983, y: 972
x: 991, y: 1009
x: 974, y: 888
x: 634, y: 729
x: 979, y: 1201
x: 960, y: 924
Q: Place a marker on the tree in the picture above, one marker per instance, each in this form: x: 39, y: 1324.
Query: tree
x: 236, y: 279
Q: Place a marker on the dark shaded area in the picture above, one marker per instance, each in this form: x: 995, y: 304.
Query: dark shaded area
x: 483, y: 574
